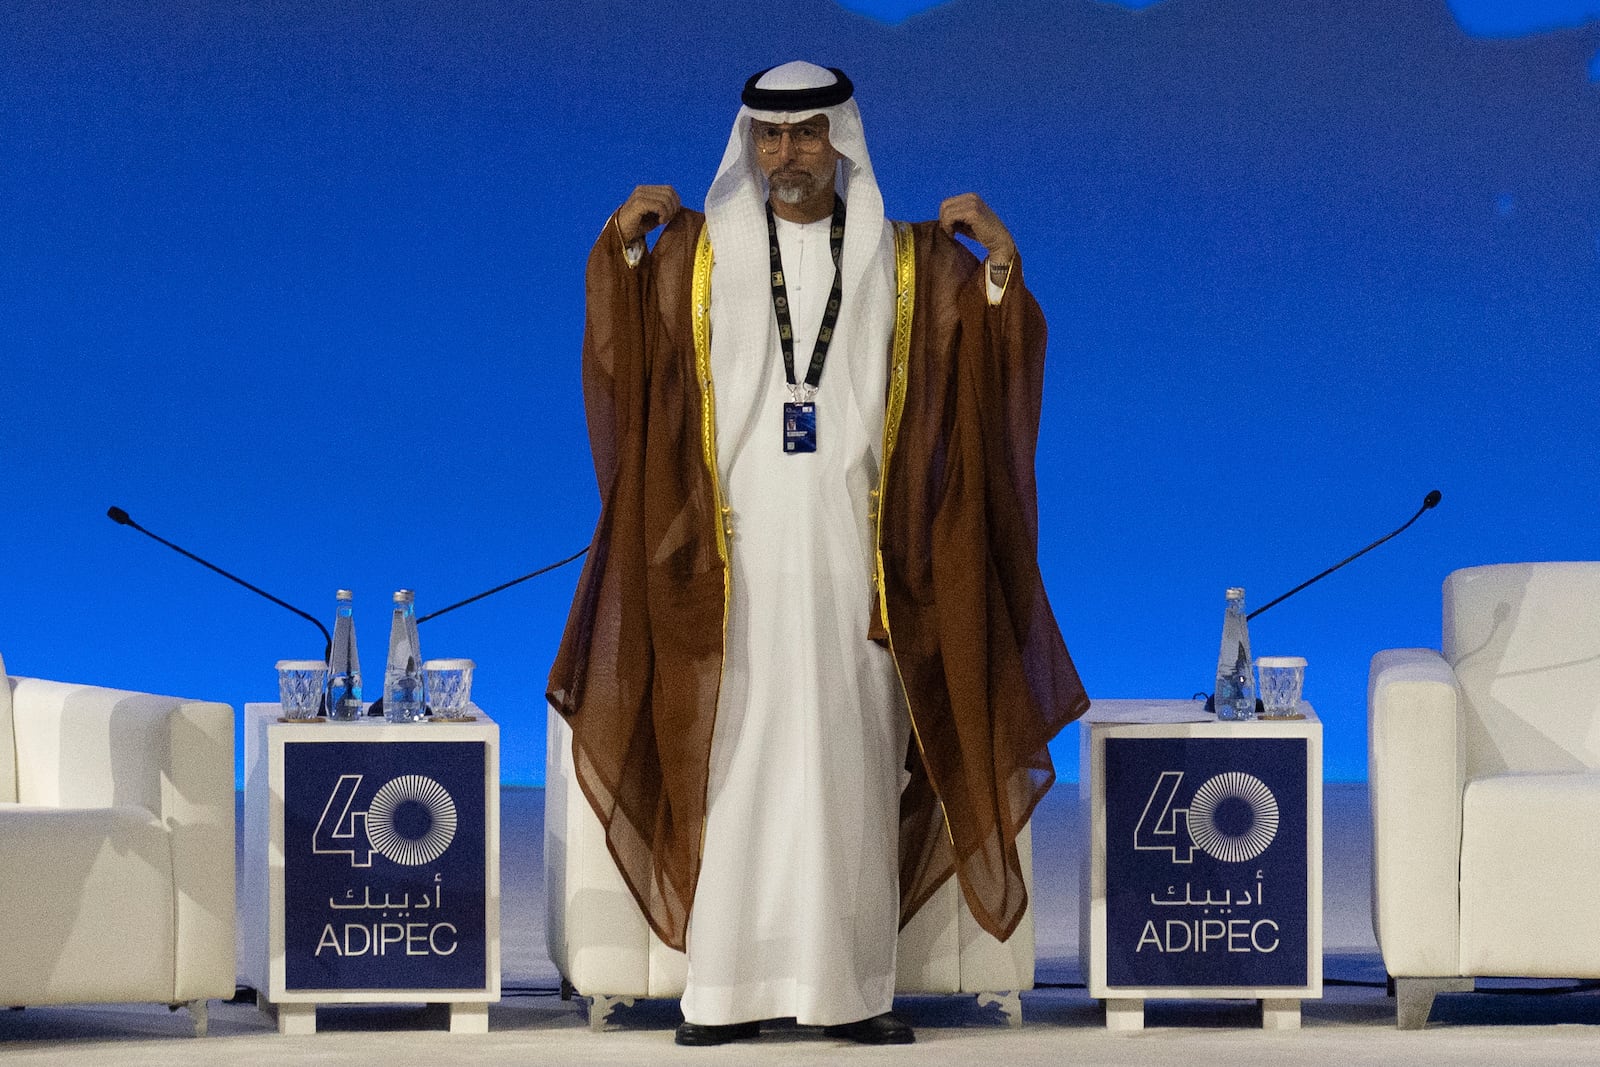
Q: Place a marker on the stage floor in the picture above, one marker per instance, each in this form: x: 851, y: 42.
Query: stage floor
x: 1352, y: 1024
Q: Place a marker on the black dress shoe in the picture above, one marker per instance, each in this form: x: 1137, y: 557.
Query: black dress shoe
x: 701, y: 1034
x: 882, y: 1029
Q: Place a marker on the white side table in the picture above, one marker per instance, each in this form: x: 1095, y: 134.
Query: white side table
x: 371, y: 868
x: 1204, y: 871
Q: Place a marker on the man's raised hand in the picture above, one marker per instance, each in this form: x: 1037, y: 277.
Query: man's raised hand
x: 649, y: 206
x: 969, y: 216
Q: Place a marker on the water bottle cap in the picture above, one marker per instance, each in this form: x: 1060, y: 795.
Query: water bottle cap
x: 404, y: 596
x: 1235, y: 592
x: 343, y: 594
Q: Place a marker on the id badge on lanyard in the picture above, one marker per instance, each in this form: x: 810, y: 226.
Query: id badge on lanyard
x: 800, y: 412
x: 799, y: 427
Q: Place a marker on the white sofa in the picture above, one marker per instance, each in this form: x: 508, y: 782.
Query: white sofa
x: 1484, y: 772
x: 604, y: 949
x: 116, y: 847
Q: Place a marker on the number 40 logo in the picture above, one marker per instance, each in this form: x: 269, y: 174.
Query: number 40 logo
x: 410, y: 820
x: 1232, y: 817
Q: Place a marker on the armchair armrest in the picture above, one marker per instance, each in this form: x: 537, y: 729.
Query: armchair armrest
x: 1416, y: 760
x: 83, y: 746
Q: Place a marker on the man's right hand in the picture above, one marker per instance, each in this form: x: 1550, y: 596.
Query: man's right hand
x: 649, y: 206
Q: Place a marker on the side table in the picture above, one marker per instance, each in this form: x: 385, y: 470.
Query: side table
x: 371, y: 867
x: 1203, y: 877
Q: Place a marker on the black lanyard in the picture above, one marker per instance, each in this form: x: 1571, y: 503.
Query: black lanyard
x: 780, y: 299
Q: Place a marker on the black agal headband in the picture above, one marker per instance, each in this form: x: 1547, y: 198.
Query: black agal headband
x: 796, y: 99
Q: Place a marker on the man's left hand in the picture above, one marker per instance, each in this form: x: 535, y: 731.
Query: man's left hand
x: 968, y: 215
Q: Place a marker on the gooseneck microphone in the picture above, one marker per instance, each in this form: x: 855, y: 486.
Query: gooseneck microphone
x: 1428, y: 503
x: 377, y: 705
x: 503, y: 585
x: 121, y: 518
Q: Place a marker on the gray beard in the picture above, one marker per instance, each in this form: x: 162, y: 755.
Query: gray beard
x: 796, y: 191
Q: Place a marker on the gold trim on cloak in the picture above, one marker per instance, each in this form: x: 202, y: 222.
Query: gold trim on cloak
x: 700, y: 297
x: 905, y: 283
x: 905, y: 276
x: 700, y: 309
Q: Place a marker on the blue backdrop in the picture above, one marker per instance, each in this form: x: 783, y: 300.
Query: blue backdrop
x: 299, y: 285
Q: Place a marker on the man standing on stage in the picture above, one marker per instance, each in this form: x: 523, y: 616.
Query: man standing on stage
x: 810, y: 668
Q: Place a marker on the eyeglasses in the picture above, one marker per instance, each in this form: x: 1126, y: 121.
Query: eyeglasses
x: 803, y: 139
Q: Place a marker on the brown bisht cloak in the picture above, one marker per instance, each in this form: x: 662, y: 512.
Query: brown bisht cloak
x: 959, y: 596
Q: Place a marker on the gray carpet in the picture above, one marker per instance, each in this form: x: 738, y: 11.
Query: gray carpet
x: 1523, y: 1023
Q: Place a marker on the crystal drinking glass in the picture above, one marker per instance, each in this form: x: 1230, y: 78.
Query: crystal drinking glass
x: 300, y: 686
x: 449, y: 687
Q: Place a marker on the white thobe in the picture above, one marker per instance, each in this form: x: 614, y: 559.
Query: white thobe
x: 797, y: 906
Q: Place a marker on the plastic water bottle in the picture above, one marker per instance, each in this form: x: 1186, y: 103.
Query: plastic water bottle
x: 1235, y: 696
x: 344, y: 664
x: 402, y: 677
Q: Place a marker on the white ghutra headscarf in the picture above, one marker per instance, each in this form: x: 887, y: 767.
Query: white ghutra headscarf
x: 743, y: 330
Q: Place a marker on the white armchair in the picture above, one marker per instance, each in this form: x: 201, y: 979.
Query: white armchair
x: 116, y: 847
x: 604, y: 949
x: 1484, y: 773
